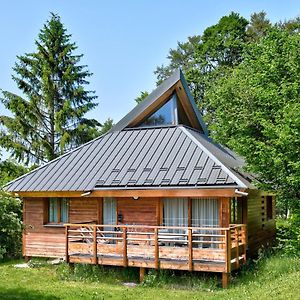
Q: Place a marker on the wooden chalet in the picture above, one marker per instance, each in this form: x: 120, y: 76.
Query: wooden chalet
x: 153, y: 192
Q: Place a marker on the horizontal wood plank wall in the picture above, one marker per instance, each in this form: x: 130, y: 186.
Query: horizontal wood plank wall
x: 142, y: 211
x: 44, y: 241
x: 40, y: 240
x: 260, y: 230
x: 85, y: 210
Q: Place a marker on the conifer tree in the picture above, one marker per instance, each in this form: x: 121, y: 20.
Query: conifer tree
x: 48, y: 118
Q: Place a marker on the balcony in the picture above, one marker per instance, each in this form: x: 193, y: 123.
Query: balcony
x: 208, y: 249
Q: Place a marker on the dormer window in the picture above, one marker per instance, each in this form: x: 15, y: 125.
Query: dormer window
x: 165, y: 115
x: 170, y: 113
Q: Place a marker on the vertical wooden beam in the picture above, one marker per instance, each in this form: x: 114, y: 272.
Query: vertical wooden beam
x: 67, y: 244
x: 244, y: 241
x: 189, y: 212
x: 236, y: 233
x: 228, y: 250
x: 158, y: 219
x: 95, y: 259
x: 190, y: 243
x: 226, y: 274
x: 124, y: 236
x: 142, y: 274
x: 99, y: 211
x: 156, y: 249
x: 161, y: 215
x: 225, y: 280
x: 225, y: 212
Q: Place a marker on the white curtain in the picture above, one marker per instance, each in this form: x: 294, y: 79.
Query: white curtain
x: 205, y: 213
x: 109, y: 211
x: 175, y: 212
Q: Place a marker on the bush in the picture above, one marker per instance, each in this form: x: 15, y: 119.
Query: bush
x: 288, y: 234
x: 10, y: 226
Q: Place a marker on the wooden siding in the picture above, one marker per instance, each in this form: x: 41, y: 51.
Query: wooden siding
x: 43, y: 240
x: 142, y: 211
x: 40, y: 240
x: 85, y: 210
x: 261, y: 231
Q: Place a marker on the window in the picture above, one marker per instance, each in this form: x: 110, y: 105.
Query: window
x: 165, y: 115
x: 175, y: 212
x: 109, y: 211
x: 170, y: 113
x: 58, y: 210
x: 110, y: 216
x: 269, y: 207
x: 205, y: 212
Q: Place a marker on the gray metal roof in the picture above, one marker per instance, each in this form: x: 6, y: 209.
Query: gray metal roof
x: 161, y: 157
x: 158, y: 92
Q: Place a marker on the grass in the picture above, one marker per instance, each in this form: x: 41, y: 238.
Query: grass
x: 273, y: 277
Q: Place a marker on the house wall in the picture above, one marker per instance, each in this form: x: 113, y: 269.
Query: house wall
x: 142, y: 211
x: 40, y: 239
x: 85, y: 210
x: 48, y: 241
x: 261, y: 231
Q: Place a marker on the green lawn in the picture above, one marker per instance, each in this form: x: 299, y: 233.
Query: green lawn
x: 273, y: 278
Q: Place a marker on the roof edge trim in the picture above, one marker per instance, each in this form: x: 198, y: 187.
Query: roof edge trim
x: 226, y: 169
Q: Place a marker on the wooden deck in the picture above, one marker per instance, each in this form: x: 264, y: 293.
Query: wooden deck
x: 159, y: 247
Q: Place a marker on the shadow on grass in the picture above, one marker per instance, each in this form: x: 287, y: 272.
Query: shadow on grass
x: 18, y: 294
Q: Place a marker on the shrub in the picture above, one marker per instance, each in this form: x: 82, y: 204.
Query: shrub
x: 288, y: 234
x: 10, y: 225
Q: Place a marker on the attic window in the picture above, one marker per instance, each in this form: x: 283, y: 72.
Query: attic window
x: 170, y: 113
x: 165, y: 115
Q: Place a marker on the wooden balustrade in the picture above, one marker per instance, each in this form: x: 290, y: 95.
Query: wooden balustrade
x: 185, y: 248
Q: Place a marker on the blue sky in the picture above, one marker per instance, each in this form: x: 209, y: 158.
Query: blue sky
x: 122, y: 41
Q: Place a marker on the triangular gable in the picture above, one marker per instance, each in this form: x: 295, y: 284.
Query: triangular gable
x: 175, y: 84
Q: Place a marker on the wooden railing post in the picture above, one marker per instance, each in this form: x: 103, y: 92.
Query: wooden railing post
x: 156, y: 249
x: 67, y: 243
x: 236, y: 232
x: 95, y: 259
x: 124, y: 236
x: 244, y: 241
x: 190, y: 243
x: 226, y: 274
x: 228, y: 249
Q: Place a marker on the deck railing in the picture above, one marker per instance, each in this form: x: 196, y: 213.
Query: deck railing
x: 187, y: 248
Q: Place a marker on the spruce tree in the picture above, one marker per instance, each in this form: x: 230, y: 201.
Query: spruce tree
x: 49, y: 116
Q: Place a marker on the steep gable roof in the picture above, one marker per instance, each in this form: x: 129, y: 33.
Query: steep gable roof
x: 132, y: 157
x: 138, y: 158
x: 174, y: 84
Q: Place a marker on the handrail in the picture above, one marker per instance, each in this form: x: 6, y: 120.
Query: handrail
x: 227, y: 244
x: 231, y: 226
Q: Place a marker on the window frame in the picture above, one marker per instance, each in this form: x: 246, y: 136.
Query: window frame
x: 59, y: 222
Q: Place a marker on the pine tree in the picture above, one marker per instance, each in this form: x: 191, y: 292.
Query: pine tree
x: 49, y: 118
